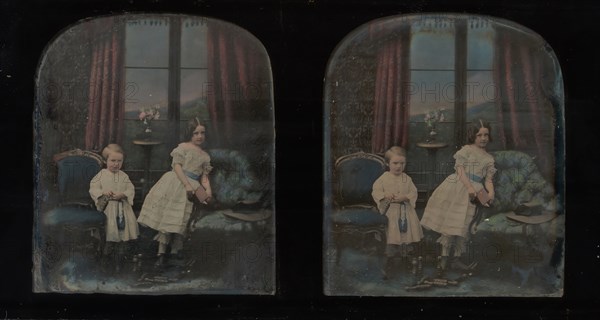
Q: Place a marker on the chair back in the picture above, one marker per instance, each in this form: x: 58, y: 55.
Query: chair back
x: 354, y: 176
x: 76, y: 168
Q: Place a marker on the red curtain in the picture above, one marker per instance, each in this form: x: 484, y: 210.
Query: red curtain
x: 106, y: 104
x: 233, y: 59
x: 391, y: 106
x: 524, y: 112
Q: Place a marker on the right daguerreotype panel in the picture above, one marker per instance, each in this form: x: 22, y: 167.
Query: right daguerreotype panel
x: 443, y: 160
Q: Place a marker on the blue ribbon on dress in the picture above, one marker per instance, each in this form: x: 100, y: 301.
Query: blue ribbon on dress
x: 191, y: 175
x: 474, y: 178
x: 120, y: 214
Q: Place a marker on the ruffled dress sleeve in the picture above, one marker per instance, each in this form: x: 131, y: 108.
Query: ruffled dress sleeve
x: 490, y: 169
x: 178, y: 155
x: 462, y: 157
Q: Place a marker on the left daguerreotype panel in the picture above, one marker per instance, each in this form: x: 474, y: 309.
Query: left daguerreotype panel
x: 154, y: 159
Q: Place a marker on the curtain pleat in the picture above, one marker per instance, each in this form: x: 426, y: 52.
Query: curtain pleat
x: 232, y: 69
x: 106, y: 106
x: 521, y: 101
x: 391, y: 102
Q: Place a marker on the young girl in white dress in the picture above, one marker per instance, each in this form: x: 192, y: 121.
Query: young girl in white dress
x: 450, y: 210
x: 113, y: 193
x: 396, y: 196
x: 167, y: 207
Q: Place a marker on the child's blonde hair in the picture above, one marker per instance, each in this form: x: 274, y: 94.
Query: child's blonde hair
x: 112, y: 147
x: 394, y: 151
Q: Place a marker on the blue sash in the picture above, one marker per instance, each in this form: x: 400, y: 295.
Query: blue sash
x: 191, y: 175
x: 474, y: 178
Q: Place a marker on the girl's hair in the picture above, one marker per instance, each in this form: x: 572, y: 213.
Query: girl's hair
x: 113, y: 147
x: 394, y: 151
x: 191, y: 126
x: 474, y: 127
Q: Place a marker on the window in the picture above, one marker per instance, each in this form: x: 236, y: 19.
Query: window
x: 481, y: 90
x: 451, y: 70
x: 166, y: 66
x: 432, y: 67
x: 146, y: 65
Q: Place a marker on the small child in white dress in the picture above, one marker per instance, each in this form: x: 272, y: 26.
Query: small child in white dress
x: 113, y: 193
x: 396, y: 197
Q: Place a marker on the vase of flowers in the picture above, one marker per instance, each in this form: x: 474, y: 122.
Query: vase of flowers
x: 431, y: 119
x: 147, y: 115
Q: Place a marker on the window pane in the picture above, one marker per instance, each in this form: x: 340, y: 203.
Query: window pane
x: 193, y: 93
x: 147, y: 43
x: 431, y: 90
x: 480, y: 45
x: 481, y: 96
x: 145, y: 88
x: 432, y: 45
x: 193, y: 40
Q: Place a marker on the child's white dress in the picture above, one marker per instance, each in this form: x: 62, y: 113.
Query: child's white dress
x: 117, y: 182
x: 166, y: 208
x: 449, y: 210
x: 402, y: 185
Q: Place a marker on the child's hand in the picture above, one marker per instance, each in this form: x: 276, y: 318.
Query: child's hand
x: 119, y: 196
x: 399, y: 198
x: 109, y: 194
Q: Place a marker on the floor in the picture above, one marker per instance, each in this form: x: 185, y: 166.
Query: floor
x: 230, y: 257
x: 226, y: 256
x: 503, y: 269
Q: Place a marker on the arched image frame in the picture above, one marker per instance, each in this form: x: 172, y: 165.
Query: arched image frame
x: 132, y: 84
x: 419, y: 82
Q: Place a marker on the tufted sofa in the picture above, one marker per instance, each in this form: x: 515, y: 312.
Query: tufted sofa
x: 234, y: 240
x: 242, y: 199
x: 518, y: 181
x: 527, y: 245
x: 233, y: 180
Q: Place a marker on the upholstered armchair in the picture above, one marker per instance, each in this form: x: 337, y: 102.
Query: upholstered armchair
x: 354, y: 220
x: 74, y: 227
